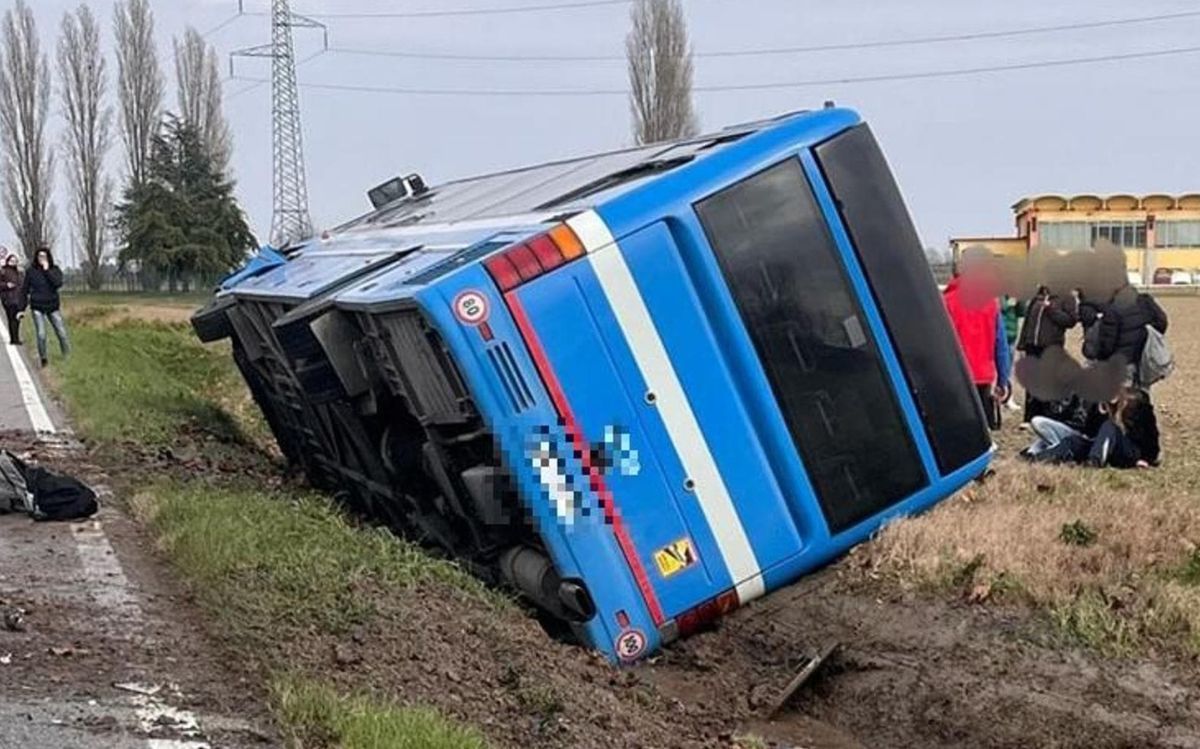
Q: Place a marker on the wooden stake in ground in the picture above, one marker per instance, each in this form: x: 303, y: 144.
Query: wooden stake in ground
x: 806, y: 673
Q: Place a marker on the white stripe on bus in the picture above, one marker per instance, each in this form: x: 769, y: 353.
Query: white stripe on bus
x: 671, y: 401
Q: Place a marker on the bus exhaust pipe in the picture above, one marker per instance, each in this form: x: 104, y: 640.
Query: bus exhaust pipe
x: 533, y: 574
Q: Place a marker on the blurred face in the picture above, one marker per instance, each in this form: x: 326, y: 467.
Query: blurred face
x: 43, y: 257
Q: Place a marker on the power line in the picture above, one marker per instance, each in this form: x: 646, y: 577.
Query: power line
x: 957, y: 72
x: 463, y: 11
x: 259, y: 83
x: 222, y: 25
x: 882, y: 43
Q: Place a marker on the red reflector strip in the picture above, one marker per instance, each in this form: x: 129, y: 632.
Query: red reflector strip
x: 503, y: 272
x: 595, y: 479
x: 546, y: 252
x: 525, y: 261
x: 714, y: 608
x: 485, y: 331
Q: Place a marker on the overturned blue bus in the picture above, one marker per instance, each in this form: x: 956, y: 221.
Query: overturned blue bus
x: 641, y: 388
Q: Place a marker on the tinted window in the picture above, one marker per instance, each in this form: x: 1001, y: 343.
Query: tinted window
x: 791, y: 288
x: 890, y: 254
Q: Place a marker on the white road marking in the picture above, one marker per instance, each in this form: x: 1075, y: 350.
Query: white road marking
x: 652, y: 358
x: 107, y: 582
x: 39, y: 418
x: 111, y: 589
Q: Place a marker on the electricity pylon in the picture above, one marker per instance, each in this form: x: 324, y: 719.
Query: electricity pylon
x: 290, y: 221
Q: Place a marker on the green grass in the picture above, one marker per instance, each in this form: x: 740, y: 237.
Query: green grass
x: 317, y: 716
x: 1190, y: 573
x: 191, y: 299
x: 275, y: 570
x: 145, y: 381
x: 263, y: 560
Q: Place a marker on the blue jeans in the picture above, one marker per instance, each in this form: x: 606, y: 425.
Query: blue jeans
x: 60, y: 330
x: 1113, y: 448
x: 1056, y: 442
x: 1049, y: 433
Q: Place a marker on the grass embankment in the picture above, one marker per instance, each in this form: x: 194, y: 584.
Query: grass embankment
x: 272, y: 567
x: 1112, y: 556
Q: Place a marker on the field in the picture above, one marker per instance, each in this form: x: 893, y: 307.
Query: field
x: 1041, y: 607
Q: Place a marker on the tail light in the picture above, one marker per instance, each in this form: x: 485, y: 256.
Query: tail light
x: 528, y: 260
x: 695, y: 619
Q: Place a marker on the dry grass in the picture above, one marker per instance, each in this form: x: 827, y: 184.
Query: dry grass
x: 1111, y: 555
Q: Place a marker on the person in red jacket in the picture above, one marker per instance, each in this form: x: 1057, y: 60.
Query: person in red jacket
x: 973, y: 305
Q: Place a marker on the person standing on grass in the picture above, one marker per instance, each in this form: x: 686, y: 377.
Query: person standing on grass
x: 1048, y: 317
x: 42, y: 282
x: 11, y: 283
x: 1122, y: 332
x: 1012, y: 309
x: 974, y: 311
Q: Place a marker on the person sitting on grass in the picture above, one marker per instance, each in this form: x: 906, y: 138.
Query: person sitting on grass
x: 1119, y: 434
x: 42, y: 282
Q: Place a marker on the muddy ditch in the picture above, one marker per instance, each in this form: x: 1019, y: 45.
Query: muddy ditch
x: 909, y: 672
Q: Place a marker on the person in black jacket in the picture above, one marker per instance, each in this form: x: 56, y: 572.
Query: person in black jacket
x: 1129, y: 438
x: 1048, y: 317
x: 1122, y: 330
x: 42, y: 282
x: 11, y: 283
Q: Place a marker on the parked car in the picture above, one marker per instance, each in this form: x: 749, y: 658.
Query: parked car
x: 1134, y: 277
x: 1181, y: 278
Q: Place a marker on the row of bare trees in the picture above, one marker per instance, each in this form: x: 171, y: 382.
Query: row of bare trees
x: 27, y: 158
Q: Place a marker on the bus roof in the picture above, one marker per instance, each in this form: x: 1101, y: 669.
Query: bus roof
x: 414, y: 240
x: 533, y: 194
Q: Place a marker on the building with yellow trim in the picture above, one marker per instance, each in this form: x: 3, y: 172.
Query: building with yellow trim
x: 1159, y: 233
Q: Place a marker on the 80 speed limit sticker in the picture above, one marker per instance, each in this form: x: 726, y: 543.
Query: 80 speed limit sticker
x: 630, y: 644
x: 471, y: 307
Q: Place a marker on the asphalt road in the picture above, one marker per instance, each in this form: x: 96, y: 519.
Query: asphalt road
x: 104, y: 654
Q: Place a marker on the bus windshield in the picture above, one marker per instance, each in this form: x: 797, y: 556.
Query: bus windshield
x: 794, y: 295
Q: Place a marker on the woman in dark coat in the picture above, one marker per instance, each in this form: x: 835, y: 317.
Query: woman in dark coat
x: 11, y: 283
x: 42, y: 282
x: 1048, y: 317
x: 1122, y: 330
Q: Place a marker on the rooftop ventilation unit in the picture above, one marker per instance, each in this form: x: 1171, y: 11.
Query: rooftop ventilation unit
x: 397, y: 188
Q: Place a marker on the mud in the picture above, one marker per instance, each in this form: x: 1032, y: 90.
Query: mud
x: 909, y: 673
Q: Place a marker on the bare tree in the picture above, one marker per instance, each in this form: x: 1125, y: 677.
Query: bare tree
x: 139, y: 82
x: 88, y: 135
x: 28, y: 166
x: 199, y: 76
x: 660, y: 72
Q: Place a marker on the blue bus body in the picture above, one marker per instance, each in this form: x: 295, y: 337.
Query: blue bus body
x: 642, y: 388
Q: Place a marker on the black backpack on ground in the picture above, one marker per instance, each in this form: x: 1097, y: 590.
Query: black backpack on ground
x: 57, y: 497
x: 41, y: 493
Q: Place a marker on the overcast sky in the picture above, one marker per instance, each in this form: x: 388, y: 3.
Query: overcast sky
x: 964, y: 148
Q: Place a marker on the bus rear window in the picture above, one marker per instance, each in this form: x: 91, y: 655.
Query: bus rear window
x: 791, y: 288
x: 896, y: 269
